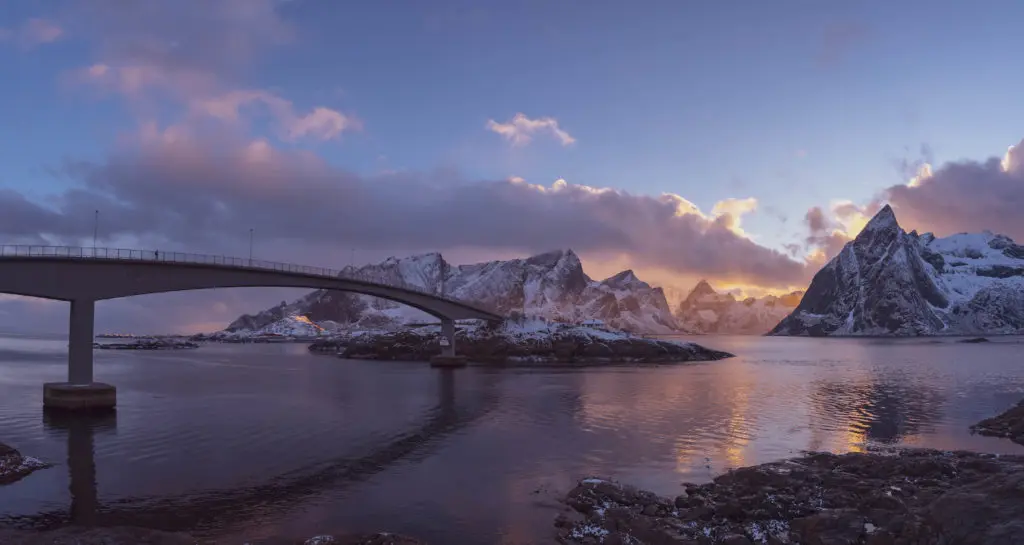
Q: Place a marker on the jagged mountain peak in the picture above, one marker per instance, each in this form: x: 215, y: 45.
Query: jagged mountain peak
x: 625, y: 279
x: 889, y: 282
x: 702, y: 289
x: 883, y: 219
x: 706, y: 311
x: 555, y: 257
x: 552, y: 285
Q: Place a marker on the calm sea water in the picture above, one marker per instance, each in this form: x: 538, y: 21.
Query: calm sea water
x: 253, y: 442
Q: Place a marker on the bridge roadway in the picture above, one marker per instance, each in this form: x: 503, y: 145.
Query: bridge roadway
x: 83, y: 276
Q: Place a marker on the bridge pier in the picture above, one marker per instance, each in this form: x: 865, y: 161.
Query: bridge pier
x: 447, y: 358
x: 80, y: 393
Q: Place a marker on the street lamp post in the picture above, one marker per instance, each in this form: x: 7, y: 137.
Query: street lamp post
x: 250, y: 246
x: 95, y: 231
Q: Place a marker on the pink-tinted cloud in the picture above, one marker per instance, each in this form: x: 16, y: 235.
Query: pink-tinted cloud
x: 965, y: 196
x: 520, y: 130
x: 32, y: 33
x: 194, y: 189
x: 322, y: 123
x: 195, y: 55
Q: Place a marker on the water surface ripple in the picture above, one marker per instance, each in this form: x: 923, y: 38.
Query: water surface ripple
x: 252, y: 442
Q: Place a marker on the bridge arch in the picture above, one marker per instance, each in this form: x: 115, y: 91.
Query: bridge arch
x: 83, y: 276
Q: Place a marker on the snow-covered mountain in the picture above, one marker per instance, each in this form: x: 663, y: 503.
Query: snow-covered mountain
x: 706, y: 311
x: 550, y: 285
x: 291, y: 326
x: 890, y: 282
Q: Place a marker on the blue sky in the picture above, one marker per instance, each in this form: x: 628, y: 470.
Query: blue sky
x: 793, y: 103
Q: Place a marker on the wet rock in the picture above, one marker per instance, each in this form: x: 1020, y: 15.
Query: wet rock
x: 76, y: 535
x: 14, y: 466
x: 95, y: 536
x: 974, y: 340
x: 327, y: 346
x: 381, y: 538
x: 894, y: 496
x: 1010, y: 424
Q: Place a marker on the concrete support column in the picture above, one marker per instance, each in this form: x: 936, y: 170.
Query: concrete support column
x: 80, y: 393
x: 448, y: 333
x: 447, y: 357
x: 80, y: 339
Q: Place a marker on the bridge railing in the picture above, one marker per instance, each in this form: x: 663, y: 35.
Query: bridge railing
x: 124, y: 254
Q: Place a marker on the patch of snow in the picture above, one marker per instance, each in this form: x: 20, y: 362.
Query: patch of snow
x: 589, y: 530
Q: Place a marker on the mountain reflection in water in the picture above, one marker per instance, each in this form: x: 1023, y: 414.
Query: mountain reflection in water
x: 242, y: 443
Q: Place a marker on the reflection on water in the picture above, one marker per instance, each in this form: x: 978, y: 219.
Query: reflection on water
x: 260, y: 441
x: 79, y: 432
x: 876, y: 411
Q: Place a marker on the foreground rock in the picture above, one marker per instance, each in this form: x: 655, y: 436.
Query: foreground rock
x: 141, y: 536
x: 1010, y: 424
x: 529, y: 343
x: 14, y: 466
x: 912, y: 497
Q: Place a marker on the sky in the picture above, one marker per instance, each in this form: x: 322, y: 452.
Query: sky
x: 742, y: 142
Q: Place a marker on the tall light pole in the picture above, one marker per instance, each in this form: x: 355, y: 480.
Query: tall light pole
x: 95, y: 230
x: 250, y: 246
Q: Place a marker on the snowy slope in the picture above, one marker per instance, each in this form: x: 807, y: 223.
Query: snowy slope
x: 706, y: 311
x: 890, y: 282
x: 552, y: 285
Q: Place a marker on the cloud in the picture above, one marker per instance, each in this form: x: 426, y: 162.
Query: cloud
x: 730, y: 211
x: 200, y: 192
x: 322, y: 123
x: 964, y: 196
x: 159, y: 53
x: 826, y: 237
x: 32, y: 33
x: 521, y: 129
x: 956, y: 197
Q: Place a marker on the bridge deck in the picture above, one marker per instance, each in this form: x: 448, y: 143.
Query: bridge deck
x: 238, y: 263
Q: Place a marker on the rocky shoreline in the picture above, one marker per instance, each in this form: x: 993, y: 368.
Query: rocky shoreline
x: 899, y: 496
x: 1010, y: 424
x: 14, y: 466
x: 123, y: 535
x: 551, y: 344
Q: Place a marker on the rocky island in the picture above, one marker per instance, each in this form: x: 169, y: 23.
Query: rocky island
x: 519, y: 342
x: 148, y: 344
x: 1010, y: 424
x: 14, y: 466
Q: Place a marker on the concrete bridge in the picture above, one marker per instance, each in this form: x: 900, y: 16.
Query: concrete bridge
x: 83, y: 276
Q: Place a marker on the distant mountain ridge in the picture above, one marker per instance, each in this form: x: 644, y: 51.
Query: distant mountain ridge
x: 551, y: 285
x: 890, y: 282
x: 705, y: 310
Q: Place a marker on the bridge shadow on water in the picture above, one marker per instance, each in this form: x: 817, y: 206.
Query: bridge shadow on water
x: 220, y: 510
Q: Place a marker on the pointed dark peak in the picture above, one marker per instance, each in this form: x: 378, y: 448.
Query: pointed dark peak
x: 884, y: 219
x: 548, y: 259
x: 882, y: 227
x: 625, y: 279
x: 702, y: 288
